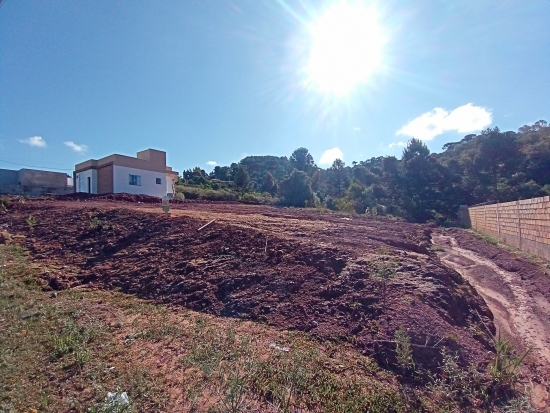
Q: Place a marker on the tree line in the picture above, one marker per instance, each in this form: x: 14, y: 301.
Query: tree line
x: 420, y: 186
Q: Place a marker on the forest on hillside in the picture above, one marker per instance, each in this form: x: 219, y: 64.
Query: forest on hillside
x: 419, y: 187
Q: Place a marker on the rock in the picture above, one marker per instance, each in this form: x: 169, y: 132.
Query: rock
x: 313, y: 323
x: 53, y: 295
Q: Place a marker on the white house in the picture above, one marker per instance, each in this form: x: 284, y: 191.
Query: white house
x: 146, y: 174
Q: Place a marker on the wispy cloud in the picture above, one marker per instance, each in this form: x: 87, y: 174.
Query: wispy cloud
x: 464, y: 119
x: 357, y: 129
x: 212, y: 163
x: 393, y: 145
x: 330, y: 156
x: 34, y: 141
x: 75, y: 147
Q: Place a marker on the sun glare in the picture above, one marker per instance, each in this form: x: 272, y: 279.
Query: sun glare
x: 345, y: 49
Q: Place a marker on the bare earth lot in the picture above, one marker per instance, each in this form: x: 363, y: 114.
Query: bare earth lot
x: 336, y: 277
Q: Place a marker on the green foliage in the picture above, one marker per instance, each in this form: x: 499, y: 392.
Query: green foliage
x: 296, y: 189
x: 302, y: 160
x: 519, y: 405
x: 421, y: 186
x: 190, y: 192
x: 5, y: 203
x: 403, y: 350
x: 31, y: 221
x: 241, y: 178
x: 504, y: 367
x: 337, y: 178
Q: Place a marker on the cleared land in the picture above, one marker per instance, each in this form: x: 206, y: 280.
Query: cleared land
x: 332, y: 286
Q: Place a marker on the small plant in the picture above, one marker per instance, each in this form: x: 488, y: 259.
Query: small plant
x: 63, y: 345
x: 96, y: 223
x: 31, y: 221
x: 5, y: 202
x: 403, y: 350
x: 455, y: 384
x: 234, y: 385
x: 519, y: 405
x: 384, y: 272
x: 82, y: 357
x: 503, y: 368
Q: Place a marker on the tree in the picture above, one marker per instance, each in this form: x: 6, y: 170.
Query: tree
x: 302, y: 160
x: 241, y: 177
x: 296, y: 189
x: 419, y: 181
x: 269, y: 185
x: 223, y: 173
x: 338, y: 179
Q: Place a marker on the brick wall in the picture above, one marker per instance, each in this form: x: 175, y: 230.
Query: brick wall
x: 522, y: 224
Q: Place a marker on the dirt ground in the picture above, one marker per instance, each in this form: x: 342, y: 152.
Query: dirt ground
x: 334, y: 276
x: 517, y: 292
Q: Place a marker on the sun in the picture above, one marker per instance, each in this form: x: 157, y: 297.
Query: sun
x: 346, y: 46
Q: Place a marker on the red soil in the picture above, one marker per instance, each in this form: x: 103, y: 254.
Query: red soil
x: 293, y: 269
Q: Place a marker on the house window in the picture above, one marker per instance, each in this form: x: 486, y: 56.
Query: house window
x: 159, y: 181
x: 135, y: 180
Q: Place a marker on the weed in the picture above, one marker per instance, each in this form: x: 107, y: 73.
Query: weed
x: 95, y: 223
x: 454, y: 384
x: 234, y: 385
x: 403, y: 350
x: 519, y: 405
x: 384, y: 272
x: 504, y: 367
x: 72, y: 339
x: 31, y: 221
x: 82, y: 357
x: 5, y: 202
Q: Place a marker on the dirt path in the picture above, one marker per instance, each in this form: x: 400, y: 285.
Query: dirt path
x: 520, y: 312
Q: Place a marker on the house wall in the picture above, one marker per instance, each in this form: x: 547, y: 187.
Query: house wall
x: 9, y: 177
x: 522, y: 224
x: 31, y: 177
x: 33, y: 183
x: 105, y: 180
x: 149, y: 160
x: 171, y: 179
x: 121, y: 178
x: 82, y: 181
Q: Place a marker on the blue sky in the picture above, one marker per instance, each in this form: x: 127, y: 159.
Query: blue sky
x: 221, y: 79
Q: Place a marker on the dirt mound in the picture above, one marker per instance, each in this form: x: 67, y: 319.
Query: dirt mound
x: 340, y: 279
x: 120, y: 197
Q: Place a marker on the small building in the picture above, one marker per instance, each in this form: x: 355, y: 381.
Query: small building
x: 34, y: 182
x: 146, y: 174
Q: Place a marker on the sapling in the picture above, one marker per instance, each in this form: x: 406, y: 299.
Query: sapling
x: 31, y: 221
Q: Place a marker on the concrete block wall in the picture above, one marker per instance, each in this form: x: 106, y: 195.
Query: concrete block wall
x: 522, y: 224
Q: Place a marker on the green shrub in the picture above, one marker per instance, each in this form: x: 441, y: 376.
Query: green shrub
x: 190, y: 192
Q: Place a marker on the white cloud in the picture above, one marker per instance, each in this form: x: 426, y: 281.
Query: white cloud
x: 330, y: 156
x: 464, y: 119
x: 34, y: 141
x: 212, y: 163
x: 393, y: 145
x: 75, y: 147
x: 357, y: 129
